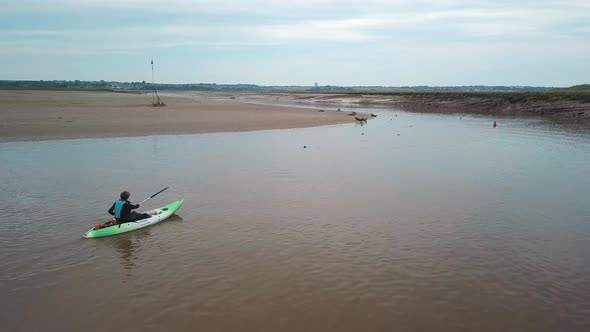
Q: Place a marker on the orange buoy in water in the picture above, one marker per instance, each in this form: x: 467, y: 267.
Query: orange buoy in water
x: 494, y: 124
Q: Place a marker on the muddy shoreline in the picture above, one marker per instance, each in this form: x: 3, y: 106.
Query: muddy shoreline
x: 568, y: 109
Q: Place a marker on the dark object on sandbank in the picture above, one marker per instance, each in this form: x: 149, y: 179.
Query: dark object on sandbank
x: 156, y: 100
x: 360, y: 119
x: 352, y: 114
x: 373, y: 115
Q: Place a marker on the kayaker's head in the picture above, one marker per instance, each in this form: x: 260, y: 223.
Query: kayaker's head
x: 125, y: 195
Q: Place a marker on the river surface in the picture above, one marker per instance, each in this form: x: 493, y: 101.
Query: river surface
x: 452, y: 225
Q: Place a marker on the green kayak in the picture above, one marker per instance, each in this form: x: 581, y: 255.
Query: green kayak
x: 156, y: 215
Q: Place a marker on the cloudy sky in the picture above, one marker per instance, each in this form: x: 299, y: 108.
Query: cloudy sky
x: 299, y: 42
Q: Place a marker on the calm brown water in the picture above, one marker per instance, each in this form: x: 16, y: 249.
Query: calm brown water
x: 452, y: 225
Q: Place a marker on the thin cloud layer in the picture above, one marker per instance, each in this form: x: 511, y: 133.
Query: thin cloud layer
x: 252, y: 31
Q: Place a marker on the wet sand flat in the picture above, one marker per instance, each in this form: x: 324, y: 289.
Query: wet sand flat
x: 41, y: 115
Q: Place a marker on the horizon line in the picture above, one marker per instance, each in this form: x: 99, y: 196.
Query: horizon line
x: 289, y: 85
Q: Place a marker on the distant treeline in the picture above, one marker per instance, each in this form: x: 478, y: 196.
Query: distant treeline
x: 577, y: 88
x: 144, y: 86
x: 130, y: 86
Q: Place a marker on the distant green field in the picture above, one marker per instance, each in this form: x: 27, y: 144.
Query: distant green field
x: 576, y: 88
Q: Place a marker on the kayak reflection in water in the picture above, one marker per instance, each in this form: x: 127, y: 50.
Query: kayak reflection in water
x: 122, y: 210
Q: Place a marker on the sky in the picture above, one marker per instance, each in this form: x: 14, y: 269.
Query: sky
x: 297, y: 42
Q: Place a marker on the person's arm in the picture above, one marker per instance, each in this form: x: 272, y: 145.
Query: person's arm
x: 112, y: 210
x: 133, y: 206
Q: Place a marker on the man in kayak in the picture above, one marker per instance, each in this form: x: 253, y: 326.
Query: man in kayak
x: 122, y: 210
